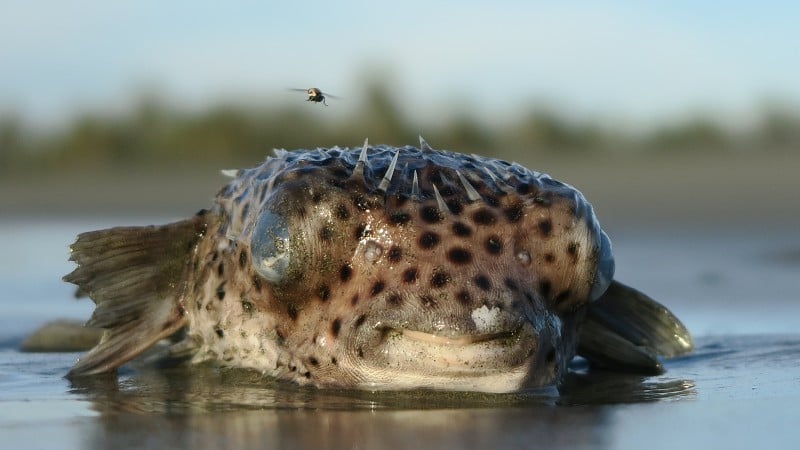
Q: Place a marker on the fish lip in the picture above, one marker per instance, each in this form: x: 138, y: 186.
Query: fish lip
x: 456, y: 340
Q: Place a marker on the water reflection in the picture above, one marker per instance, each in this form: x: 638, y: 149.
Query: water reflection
x: 203, y: 389
x: 206, y: 408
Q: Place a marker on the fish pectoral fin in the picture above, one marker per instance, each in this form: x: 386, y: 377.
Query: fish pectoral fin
x: 137, y: 277
x: 604, y: 348
x: 627, y: 330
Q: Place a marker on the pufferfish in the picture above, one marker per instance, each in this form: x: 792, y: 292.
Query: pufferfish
x: 376, y: 268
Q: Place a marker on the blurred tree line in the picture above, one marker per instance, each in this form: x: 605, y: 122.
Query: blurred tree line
x: 227, y: 135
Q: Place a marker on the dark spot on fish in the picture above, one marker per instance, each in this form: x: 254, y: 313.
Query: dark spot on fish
x: 377, y: 288
x: 326, y: 232
x: 394, y: 299
x: 545, y: 287
x: 460, y: 256
x: 433, y: 176
x: 354, y: 300
x: 572, y: 249
x: 334, y: 361
x: 410, y: 275
x: 459, y: 229
x: 335, y: 326
x: 483, y: 282
x: 359, y: 321
x: 545, y: 226
x: 395, y: 254
x: 563, y: 295
x: 431, y: 214
x: 514, y: 212
x: 221, y: 291
x: 440, y: 278
x: 384, y: 333
x: 214, y: 256
x: 463, y: 297
x: 345, y: 273
x: 494, y: 245
x: 243, y: 259
x: 360, y: 352
x: 455, y: 206
x: 219, y: 331
x: 220, y: 269
x: 399, y: 217
x: 549, y: 257
x: 291, y: 310
x: 524, y: 188
x: 447, y: 191
x: 257, y: 282
x: 491, y: 200
x: 307, y: 375
x: 247, y: 306
x: 342, y: 212
x: 323, y: 292
x: 510, y: 284
x: 427, y: 301
x: 483, y: 217
x: 428, y: 240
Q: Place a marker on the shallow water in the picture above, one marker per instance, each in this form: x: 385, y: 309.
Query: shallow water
x: 736, y: 291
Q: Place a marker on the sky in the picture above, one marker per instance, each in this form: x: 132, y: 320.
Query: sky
x: 631, y: 61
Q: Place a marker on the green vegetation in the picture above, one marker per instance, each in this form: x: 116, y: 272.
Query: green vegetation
x: 153, y: 133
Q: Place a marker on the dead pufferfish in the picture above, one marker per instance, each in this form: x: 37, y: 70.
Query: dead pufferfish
x: 377, y: 268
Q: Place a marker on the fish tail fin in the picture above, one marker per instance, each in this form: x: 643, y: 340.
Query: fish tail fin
x: 627, y: 330
x: 137, y: 277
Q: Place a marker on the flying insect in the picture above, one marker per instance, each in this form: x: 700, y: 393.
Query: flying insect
x: 315, y: 95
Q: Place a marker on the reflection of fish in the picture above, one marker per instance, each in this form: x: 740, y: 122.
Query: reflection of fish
x: 384, y: 268
x: 315, y: 95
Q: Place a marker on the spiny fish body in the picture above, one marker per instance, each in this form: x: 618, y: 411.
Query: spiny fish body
x: 375, y: 268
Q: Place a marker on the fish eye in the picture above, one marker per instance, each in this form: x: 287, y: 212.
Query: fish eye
x: 269, y: 247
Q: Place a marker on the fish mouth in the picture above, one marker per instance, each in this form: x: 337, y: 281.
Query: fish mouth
x: 494, y: 361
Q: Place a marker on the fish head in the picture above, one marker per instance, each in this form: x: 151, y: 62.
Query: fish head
x: 403, y: 268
